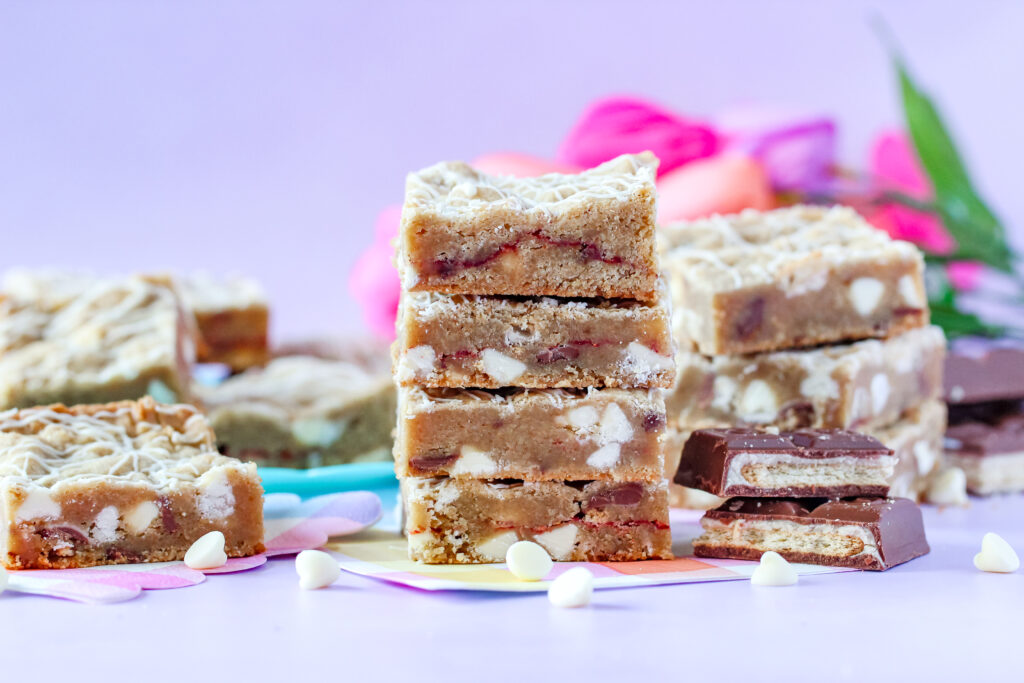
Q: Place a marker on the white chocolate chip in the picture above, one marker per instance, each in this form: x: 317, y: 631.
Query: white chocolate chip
x: 316, y: 569
x: 419, y: 362
x: 925, y: 456
x: 996, y: 555
x: 643, y: 362
x: 104, y: 528
x: 773, y: 571
x: 771, y: 429
x: 141, y: 516
x: 605, y: 457
x: 949, y: 487
x: 819, y: 384
x: 560, y: 541
x: 473, y: 462
x: 758, y: 403
x: 582, y: 418
x: 956, y: 394
x: 216, y: 496
x: 207, y: 552
x: 38, y: 505
x: 723, y: 389
x: 615, y: 427
x: 467, y: 190
x: 910, y: 292
x: 495, y: 547
x: 316, y: 431
x: 865, y: 294
x: 528, y: 561
x: 424, y: 538
x: 503, y: 368
x: 879, y: 392
x: 574, y: 588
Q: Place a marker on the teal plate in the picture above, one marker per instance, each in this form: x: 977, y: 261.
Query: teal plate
x: 331, y: 479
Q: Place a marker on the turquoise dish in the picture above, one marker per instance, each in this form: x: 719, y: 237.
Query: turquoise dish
x: 367, y: 476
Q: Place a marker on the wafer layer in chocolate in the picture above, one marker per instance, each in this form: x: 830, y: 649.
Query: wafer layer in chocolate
x: 865, y: 533
x: 990, y: 452
x: 824, y: 463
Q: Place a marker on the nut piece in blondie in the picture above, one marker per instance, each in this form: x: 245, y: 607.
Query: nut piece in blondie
x: 119, y: 483
x: 792, y: 277
x: 493, y: 342
x: 303, y: 412
x: 233, y: 316
x: 585, y: 235
x: 93, y: 340
x: 467, y: 521
x: 534, y: 435
x: 850, y: 386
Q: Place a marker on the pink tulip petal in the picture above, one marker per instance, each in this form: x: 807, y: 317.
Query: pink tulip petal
x: 374, y: 282
x: 627, y: 125
x: 519, y: 165
x: 965, y: 275
x: 798, y: 149
x: 722, y: 184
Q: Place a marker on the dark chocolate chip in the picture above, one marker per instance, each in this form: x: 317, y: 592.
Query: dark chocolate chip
x: 626, y: 494
x: 748, y: 322
x: 653, y: 422
x: 432, y: 463
x: 557, y: 353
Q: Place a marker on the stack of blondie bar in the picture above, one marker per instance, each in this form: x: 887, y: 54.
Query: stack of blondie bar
x: 805, y: 317
x: 534, y: 342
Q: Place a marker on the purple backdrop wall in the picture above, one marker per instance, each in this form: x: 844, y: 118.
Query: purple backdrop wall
x: 265, y: 136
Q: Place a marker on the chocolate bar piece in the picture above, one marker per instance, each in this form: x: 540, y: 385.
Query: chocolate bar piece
x: 864, y: 533
x: 826, y: 463
x: 980, y: 370
x: 991, y: 453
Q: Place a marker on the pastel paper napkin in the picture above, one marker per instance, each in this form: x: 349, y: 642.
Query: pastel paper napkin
x: 291, y: 525
x: 384, y: 557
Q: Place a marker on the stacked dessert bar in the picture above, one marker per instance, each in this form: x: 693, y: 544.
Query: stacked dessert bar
x: 985, y: 392
x: 811, y: 495
x: 533, y: 346
x: 806, y: 317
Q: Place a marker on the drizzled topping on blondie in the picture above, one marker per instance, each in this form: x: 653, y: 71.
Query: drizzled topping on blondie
x: 143, y: 441
x: 752, y: 247
x: 109, y: 330
x: 456, y: 188
x: 202, y: 293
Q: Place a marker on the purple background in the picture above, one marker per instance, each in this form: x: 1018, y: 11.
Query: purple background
x: 264, y: 137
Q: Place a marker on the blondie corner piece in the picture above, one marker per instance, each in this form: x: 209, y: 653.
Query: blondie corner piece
x: 119, y: 483
x: 585, y: 235
x: 536, y: 435
x: 493, y: 342
x: 793, y: 277
x: 303, y: 412
x: 864, y: 533
x: 808, y: 463
x: 467, y: 521
x: 233, y: 317
x: 849, y: 386
x: 93, y: 340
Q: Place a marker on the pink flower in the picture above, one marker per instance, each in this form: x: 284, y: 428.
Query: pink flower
x: 723, y: 184
x: 374, y: 281
x: 894, y: 167
x: 627, y: 125
x: 797, y: 149
x: 964, y: 275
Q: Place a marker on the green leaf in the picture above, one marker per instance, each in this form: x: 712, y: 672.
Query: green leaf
x: 979, y: 234
x: 957, y: 323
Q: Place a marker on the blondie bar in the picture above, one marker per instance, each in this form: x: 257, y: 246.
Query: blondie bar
x: 585, y: 235
x: 465, y: 521
x: 793, y: 277
x: 233, y: 317
x: 95, y: 341
x: 492, y: 342
x: 301, y: 412
x: 119, y: 483
x: 916, y: 439
x: 540, y: 434
x: 850, y: 386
